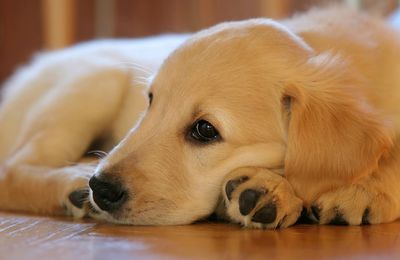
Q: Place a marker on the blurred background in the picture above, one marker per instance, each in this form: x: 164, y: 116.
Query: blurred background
x: 30, y: 26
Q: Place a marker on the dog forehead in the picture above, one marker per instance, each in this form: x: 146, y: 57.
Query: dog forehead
x: 249, y: 35
x: 233, y: 49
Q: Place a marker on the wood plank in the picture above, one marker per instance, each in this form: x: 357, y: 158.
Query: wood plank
x: 35, y: 237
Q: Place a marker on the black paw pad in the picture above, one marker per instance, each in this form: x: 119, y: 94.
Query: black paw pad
x: 304, y: 218
x: 233, y: 184
x: 316, y: 212
x: 266, y: 214
x: 339, y: 220
x: 365, y: 217
x: 78, y: 197
x: 248, y: 200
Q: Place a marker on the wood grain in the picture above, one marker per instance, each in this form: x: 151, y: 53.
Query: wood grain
x: 34, y: 237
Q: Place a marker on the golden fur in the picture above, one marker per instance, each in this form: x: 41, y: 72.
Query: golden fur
x: 307, y: 110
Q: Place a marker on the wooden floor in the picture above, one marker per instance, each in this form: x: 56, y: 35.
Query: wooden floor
x: 33, y: 237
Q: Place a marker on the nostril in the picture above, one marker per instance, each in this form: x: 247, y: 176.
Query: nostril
x: 107, y: 195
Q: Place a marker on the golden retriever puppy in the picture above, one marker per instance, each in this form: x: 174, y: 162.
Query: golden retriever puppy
x: 256, y: 120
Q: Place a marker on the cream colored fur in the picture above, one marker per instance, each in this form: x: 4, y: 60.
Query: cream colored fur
x: 307, y: 110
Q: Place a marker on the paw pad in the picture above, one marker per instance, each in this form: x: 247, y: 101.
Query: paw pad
x: 233, y: 184
x: 315, y: 212
x: 266, y: 214
x: 248, y: 200
x: 338, y: 220
x: 365, y: 217
x: 78, y: 197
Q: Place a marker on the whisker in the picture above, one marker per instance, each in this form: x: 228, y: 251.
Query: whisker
x: 141, y: 66
x: 136, y: 66
x: 141, y: 80
x: 99, y: 153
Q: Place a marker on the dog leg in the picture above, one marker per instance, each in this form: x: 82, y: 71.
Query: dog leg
x: 259, y: 198
x: 38, y: 177
x: 47, y: 190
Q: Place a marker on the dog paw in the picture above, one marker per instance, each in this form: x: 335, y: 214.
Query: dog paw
x: 77, y: 203
x: 352, y: 205
x: 76, y: 194
x: 259, y: 198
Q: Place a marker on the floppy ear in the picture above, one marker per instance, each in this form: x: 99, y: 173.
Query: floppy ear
x: 333, y: 131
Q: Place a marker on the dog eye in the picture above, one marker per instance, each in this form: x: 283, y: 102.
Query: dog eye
x: 150, y: 98
x: 203, y: 131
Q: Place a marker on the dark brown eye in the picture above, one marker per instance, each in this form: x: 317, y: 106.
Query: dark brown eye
x: 150, y: 98
x: 203, y: 131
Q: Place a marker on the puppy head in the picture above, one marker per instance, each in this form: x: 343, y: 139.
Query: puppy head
x: 224, y: 100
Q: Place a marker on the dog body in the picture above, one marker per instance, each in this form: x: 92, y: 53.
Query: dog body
x: 256, y: 118
x: 98, y: 84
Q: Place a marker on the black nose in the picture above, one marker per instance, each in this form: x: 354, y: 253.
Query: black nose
x: 107, y: 195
